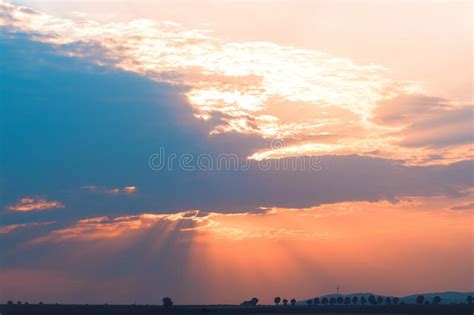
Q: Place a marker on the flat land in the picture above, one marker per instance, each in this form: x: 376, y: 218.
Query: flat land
x: 55, y: 309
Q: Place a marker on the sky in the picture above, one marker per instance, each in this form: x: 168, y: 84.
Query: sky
x: 212, y: 151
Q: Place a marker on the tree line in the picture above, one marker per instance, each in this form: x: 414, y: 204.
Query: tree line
x: 317, y: 301
x: 355, y: 300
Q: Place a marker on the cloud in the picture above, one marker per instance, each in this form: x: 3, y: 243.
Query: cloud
x: 34, y: 204
x: 13, y: 227
x: 128, y: 89
x: 273, y: 223
x: 112, y: 143
x: 245, y: 248
x: 111, y: 191
x: 248, y: 87
x: 103, y: 227
x: 414, y: 128
x: 426, y: 121
x: 469, y: 206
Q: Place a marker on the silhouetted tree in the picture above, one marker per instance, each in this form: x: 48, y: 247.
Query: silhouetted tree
x: 277, y: 300
x: 363, y: 300
x: 10, y: 302
x: 167, y: 302
x: 340, y: 300
x: 396, y: 300
x: 347, y: 300
x: 40, y: 303
x: 293, y: 302
x: 285, y: 302
x: 379, y: 300
x: 355, y: 299
x: 437, y: 300
x: 332, y: 301
x: 325, y: 301
x: 420, y: 299
x: 309, y: 302
x: 388, y: 300
x: 252, y: 302
x: 469, y: 299
x: 316, y: 301
x: 372, y: 300
x: 19, y: 302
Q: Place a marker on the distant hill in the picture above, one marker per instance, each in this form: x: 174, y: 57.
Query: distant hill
x: 447, y: 297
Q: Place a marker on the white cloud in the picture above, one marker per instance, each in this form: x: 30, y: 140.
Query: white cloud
x: 259, y: 88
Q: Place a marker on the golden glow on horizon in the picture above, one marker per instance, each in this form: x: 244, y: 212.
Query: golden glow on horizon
x: 318, y: 103
x: 295, y: 250
x: 272, y: 223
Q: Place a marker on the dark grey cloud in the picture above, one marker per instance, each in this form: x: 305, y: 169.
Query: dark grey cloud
x: 68, y: 123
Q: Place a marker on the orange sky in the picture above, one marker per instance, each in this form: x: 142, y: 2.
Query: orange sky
x: 225, y: 258
x: 380, y: 90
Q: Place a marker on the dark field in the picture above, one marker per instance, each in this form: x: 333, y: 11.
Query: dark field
x: 54, y: 309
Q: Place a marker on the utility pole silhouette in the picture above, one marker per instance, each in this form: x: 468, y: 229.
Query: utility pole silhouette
x: 338, y: 289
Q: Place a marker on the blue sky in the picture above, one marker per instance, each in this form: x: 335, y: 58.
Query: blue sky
x: 78, y: 128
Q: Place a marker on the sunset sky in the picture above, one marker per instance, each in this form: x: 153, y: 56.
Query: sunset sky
x: 212, y: 151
